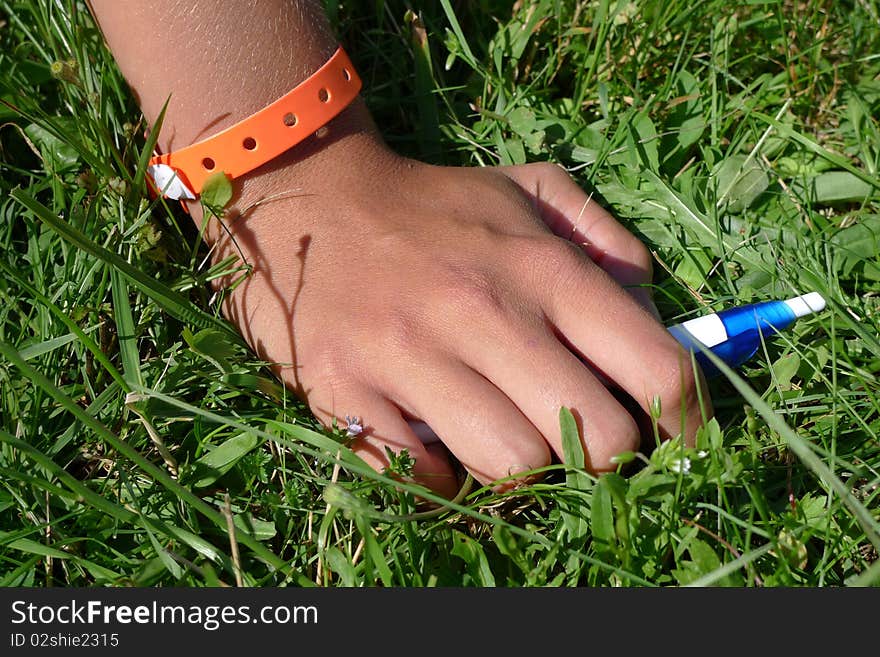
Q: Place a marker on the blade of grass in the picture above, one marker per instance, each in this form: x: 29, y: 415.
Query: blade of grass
x: 466, y: 52
x: 813, y: 147
x: 87, y: 341
x: 50, y: 345
x: 731, y: 567
x: 125, y: 329
x: 575, y: 477
x: 429, y: 118
x: 89, y: 497
x: 175, y: 304
x: 160, y: 475
x: 801, y: 448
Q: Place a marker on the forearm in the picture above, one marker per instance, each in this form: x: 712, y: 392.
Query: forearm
x: 218, y: 63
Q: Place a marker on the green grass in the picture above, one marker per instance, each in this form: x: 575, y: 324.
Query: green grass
x: 740, y: 141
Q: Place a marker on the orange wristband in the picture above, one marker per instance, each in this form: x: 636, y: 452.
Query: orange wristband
x: 257, y: 139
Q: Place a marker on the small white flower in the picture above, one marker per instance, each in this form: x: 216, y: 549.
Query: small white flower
x: 353, y: 426
x: 702, y: 454
x: 682, y: 465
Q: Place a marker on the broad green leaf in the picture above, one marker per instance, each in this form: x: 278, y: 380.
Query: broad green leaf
x: 703, y: 556
x: 57, y: 155
x: 784, y: 370
x: 217, y: 191
x: 474, y: 557
x: 687, y: 117
x: 602, y: 515
x: 213, y: 345
x: 703, y: 563
x: 731, y: 567
x: 739, y: 181
x: 801, y: 165
x: 249, y: 381
x: 835, y: 187
x: 222, y: 458
x: 197, y: 543
x: 125, y: 329
x: 858, y: 242
x: 687, y: 216
x: 373, y: 551
x: 31, y: 546
x: 522, y: 121
x: 101, y: 574
x: 645, y: 141
x: 44, y: 347
x: 167, y: 560
x: 506, y: 543
x: 814, y: 511
x: 573, y: 452
x: 693, y: 268
x: 515, y: 151
x: 262, y: 530
x: 573, y: 449
x: 341, y: 565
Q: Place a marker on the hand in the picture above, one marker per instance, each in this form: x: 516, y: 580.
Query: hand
x: 479, y: 300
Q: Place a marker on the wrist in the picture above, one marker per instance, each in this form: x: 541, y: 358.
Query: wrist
x: 328, y: 162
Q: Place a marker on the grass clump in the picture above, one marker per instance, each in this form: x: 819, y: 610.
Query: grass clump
x: 740, y: 141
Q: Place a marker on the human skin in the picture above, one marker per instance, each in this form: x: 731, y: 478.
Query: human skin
x: 479, y: 300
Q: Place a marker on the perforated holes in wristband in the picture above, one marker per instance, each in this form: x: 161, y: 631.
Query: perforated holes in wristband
x: 254, y: 141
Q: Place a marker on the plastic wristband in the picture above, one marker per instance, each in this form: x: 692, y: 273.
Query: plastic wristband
x: 265, y: 135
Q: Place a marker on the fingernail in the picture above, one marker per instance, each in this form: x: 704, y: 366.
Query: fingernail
x: 519, y: 475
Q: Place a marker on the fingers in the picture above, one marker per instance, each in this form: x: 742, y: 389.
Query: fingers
x: 617, y: 336
x: 484, y: 430
x: 383, y: 426
x: 573, y: 215
x: 540, y: 376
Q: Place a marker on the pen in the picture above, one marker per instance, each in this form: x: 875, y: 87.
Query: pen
x: 735, y: 334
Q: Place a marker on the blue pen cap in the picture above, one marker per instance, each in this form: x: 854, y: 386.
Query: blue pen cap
x: 745, y: 327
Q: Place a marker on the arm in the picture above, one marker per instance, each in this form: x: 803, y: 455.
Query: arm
x: 217, y: 63
x: 393, y: 290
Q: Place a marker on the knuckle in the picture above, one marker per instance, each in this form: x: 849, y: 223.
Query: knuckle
x: 470, y: 291
x: 399, y: 331
x: 558, y: 263
x: 333, y: 371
